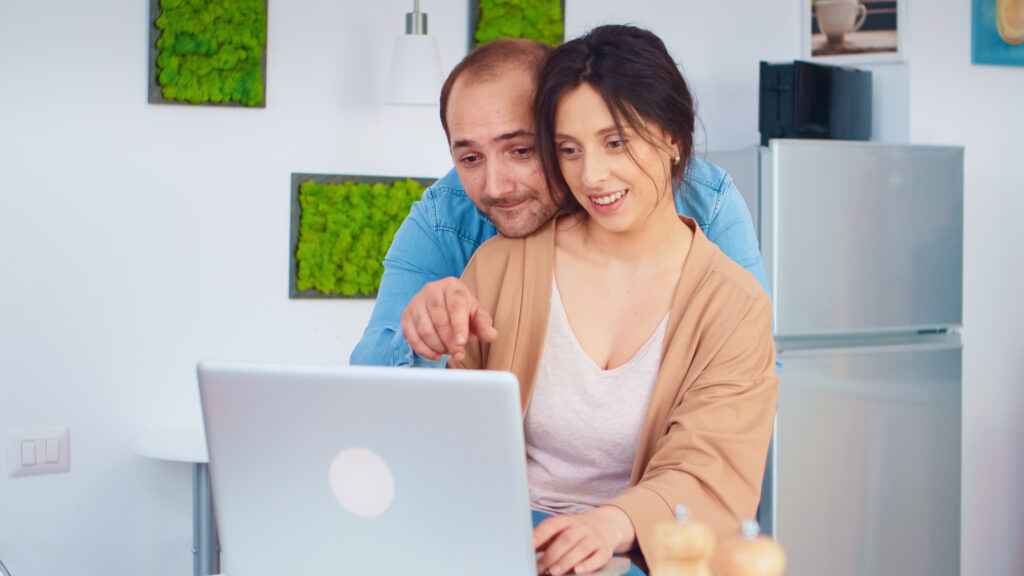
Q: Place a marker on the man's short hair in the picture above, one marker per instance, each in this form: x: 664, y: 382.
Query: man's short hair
x: 489, y: 60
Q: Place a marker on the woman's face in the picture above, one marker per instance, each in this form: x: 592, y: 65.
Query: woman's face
x: 618, y: 177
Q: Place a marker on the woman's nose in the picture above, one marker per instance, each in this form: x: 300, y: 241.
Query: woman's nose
x: 595, y: 170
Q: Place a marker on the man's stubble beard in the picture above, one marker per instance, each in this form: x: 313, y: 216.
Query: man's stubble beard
x: 533, y: 217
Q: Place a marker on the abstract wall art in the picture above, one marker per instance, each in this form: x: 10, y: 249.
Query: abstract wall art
x: 997, y: 35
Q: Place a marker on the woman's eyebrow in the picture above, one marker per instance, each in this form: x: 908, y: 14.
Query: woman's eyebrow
x: 602, y: 132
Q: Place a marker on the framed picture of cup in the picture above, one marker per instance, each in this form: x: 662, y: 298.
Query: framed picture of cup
x: 855, y: 31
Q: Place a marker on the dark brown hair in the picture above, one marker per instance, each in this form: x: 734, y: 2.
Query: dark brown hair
x: 489, y: 60
x: 636, y: 77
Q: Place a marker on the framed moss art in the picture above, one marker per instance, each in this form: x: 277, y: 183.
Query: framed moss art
x: 542, y: 20
x: 342, y: 226
x: 208, y: 52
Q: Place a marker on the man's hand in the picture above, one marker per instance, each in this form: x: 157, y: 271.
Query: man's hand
x: 440, y: 318
x: 582, y: 543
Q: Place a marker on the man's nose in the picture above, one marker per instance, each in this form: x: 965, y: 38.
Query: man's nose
x: 499, y: 180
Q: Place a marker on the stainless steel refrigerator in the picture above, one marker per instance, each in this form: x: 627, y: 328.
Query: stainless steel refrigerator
x: 863, y: 249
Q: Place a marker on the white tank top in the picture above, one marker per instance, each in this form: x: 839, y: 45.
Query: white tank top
x: 583, y: 423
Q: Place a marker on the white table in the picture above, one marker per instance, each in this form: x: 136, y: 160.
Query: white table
x: 189, y: 445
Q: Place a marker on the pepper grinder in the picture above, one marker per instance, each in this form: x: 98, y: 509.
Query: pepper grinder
x: 682, y: 548
x: 750, y: 554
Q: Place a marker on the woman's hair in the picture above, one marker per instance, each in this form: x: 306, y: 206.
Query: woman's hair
x: 635, y: 75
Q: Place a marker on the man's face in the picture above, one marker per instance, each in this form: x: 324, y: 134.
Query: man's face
x: 490, y: 128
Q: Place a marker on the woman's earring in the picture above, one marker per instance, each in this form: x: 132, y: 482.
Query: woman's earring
x: 676, y: 161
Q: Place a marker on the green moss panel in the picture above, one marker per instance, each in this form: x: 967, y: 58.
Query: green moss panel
x: 345, y: 231
x: 535, y: 19
x: 210, y: 50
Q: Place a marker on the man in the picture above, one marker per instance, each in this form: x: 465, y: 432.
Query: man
x: 423, y: 310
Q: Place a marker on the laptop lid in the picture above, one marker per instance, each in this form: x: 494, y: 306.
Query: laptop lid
x: 366, y: 470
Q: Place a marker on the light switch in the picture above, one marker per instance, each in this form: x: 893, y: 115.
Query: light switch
x: 28, y: 453
x: 32, y: 451
x: 52, y: 450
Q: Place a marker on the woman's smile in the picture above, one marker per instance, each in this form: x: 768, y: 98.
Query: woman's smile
x: 608, y: 199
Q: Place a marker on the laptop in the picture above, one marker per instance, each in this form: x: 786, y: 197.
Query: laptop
x: 366, y: 470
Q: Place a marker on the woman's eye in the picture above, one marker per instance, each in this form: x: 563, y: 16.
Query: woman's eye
x: 566, y: 150
x: 616, y: 143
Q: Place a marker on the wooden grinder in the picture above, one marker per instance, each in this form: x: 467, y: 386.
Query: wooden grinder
x: 682, y: 548
x: 750, y: 554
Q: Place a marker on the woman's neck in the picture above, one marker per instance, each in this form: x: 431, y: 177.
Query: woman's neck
x: 663, y: 239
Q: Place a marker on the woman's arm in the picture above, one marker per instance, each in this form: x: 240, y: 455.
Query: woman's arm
x: 712, y: 454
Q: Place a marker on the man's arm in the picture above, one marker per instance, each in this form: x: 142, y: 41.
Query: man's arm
x: 435, y: 241
x: 710, y: 197
x: 413, y: 260
x: 733, y: 231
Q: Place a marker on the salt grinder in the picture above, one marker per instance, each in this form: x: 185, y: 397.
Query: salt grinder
x: 682, y: 548
x: 750, y: 554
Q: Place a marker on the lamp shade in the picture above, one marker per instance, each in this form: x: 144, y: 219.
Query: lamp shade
x: 415, y: 74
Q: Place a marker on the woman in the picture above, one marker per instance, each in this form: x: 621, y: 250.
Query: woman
x: 644, y: 355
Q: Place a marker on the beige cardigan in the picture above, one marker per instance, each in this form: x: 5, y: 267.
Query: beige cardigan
x: 705, y: 437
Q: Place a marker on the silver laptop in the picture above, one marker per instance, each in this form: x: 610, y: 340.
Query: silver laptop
x: 366, y: 471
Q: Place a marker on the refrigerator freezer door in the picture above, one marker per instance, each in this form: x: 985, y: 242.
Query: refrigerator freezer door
x: 862, y: 237
x: 868, y: 461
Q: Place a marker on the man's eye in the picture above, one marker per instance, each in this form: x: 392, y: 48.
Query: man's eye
x: 523, y: 151
x: 469, y: 159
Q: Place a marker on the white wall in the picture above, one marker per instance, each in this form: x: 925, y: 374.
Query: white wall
x: 719, y: 46
x: 136, y: 239
x: 982, y: 108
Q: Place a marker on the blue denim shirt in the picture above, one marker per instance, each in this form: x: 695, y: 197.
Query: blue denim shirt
x: 444, y: 228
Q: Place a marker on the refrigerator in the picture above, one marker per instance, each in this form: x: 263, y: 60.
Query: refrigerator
x: 863, y: 249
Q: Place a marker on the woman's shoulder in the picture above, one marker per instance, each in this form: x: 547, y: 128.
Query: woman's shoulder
x: 723, y: 280
x: 496, y: 255
x: 501, y: 246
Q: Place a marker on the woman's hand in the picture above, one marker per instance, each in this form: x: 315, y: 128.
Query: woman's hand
x: 582, y: 543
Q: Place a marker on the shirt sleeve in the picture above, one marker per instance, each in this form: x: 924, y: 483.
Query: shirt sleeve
x: 415, y: 258
x: 732, y: 229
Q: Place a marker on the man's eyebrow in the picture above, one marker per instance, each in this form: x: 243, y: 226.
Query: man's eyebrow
x: 511, y: 135
x: 499, y: 138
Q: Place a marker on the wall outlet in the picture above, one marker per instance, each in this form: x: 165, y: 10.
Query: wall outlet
x: 38, y: 451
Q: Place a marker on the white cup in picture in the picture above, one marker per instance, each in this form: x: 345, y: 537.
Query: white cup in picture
x: 836, y: 18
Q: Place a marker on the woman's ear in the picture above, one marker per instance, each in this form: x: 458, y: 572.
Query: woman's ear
x: 675, y: 150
